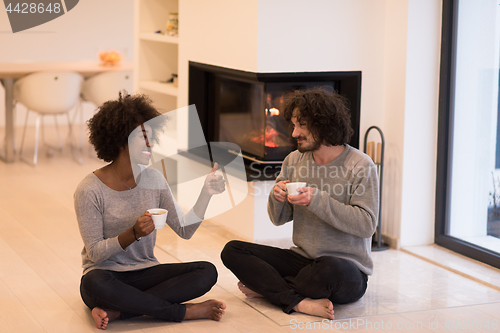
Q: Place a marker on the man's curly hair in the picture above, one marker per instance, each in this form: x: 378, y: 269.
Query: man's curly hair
x: 111, y: 126
x: 326, y: 113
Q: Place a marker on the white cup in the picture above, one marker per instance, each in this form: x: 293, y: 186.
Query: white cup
x: 159, y: 217
x: 291, y: 188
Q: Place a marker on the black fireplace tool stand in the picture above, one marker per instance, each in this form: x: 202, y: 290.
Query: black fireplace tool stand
x: 377, y: 242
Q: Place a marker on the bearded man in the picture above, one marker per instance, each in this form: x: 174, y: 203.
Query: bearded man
x: 334, y: 216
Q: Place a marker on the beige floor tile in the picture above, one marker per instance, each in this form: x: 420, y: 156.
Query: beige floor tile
x: 53, y: 314
x: 14, y: 317
x: 493, y: 309
x: 458, y: 264
x: 48, y: 266
x: 11, y: 264
x: 469, y: 318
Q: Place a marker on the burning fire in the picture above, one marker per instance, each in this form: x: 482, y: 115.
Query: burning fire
x: 270, y: 133
x: 268, y: 138
x: 272, y: 112
x: 275, y: 131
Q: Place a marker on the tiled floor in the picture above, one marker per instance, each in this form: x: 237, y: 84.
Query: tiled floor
x: 40, y: 271
x: 459, y: 264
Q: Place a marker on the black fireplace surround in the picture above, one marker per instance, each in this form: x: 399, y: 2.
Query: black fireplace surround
x: 245, y: 108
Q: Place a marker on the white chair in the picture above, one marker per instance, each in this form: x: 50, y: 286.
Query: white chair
x: 104, y: 87
x: 47, y: 93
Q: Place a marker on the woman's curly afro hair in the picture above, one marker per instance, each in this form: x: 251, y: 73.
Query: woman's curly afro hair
x: 111, y: 126
x: 326, y: 113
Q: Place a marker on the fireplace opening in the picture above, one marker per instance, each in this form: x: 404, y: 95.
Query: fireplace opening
x: 246, y: 108
x: 251, y: 115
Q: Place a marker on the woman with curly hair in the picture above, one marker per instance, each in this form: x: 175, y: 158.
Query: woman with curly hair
x: 121, y: 276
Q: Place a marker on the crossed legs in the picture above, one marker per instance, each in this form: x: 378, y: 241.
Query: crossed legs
x: 292, y: 281
x: 157, y: 291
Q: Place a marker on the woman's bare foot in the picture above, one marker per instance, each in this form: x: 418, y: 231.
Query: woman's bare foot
x: 316, y: 307
x: 211, y: 309
x: 248, y: 293
x: 102, y: 317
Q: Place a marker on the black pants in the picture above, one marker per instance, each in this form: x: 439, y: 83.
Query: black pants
x: 285, y: 278
x: 156, y: 291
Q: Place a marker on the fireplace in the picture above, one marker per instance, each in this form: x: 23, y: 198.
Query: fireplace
x: 246, y: 108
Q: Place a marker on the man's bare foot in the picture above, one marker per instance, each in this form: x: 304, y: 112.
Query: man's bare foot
x: 102, y: 317
x: 316, y: 307
x: 248, y: 292
x: 211, y: 309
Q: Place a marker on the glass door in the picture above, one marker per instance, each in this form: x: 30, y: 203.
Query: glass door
x: 468, y: 178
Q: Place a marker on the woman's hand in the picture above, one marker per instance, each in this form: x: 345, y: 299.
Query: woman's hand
x: 144, y: 225
x: 214, y: 184
x: 279, y: 190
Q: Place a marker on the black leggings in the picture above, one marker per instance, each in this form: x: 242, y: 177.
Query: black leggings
x: 156, y: 291
x: 285, y: 278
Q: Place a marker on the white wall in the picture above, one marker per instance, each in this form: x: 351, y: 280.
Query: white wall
x: 420, y: 122
x: 217, y: 32
x: 394, y: 82
x: 327, y: 35
x: 78, y: 35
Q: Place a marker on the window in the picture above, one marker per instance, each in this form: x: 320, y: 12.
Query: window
x: 468, y: 174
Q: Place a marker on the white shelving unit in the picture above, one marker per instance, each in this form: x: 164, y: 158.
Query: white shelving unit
x: 159, y: 87
x: 155, y: 54
x: 158, y: 37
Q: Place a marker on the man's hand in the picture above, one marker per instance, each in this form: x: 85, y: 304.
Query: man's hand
x: 144, y: 225
x: 279, y: 191
x: 303, y: 198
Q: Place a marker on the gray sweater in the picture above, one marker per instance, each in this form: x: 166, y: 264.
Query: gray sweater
x: 342, y: 215
x: 103, y: 214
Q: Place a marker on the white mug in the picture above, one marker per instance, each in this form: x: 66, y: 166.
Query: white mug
x: 159, y: 217
x: 291, y: 188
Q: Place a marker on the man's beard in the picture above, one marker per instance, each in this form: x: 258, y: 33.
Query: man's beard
x: 315, y: 146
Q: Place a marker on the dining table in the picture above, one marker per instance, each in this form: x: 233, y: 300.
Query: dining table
x: 11, y: 71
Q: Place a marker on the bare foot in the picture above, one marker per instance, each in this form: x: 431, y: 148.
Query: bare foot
x: 248, y: 293
x: 102, y: 317
x: 211, y: 309
x: 316, y: 307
